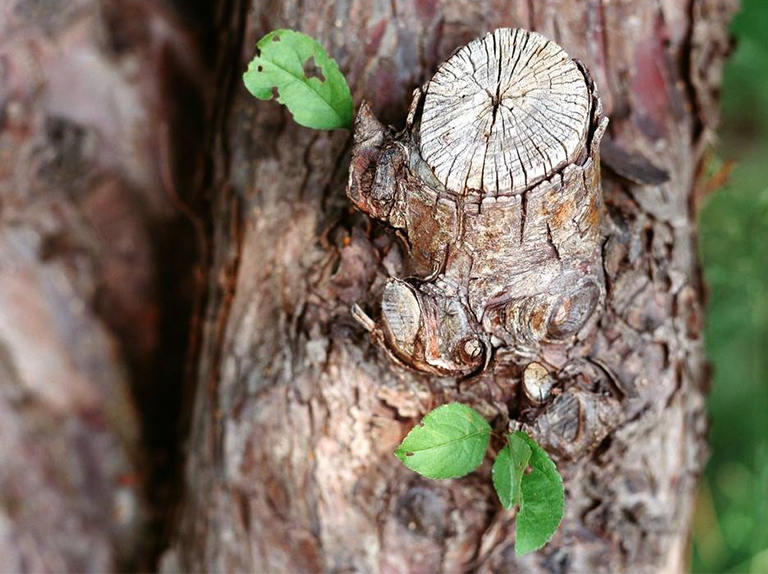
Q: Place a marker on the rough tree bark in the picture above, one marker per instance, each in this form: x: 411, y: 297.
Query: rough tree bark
x: 125, y: 159
x: 103, y: 115
x: 290, y: 463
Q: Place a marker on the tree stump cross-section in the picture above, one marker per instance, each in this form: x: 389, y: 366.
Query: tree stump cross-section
x: 503, y: 113
x: 196, y: 244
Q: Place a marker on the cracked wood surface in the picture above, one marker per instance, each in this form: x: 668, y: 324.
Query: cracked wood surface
x: 503, y: 113
x: 290, y: 463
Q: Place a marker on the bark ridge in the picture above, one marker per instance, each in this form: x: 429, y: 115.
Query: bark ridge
x: 291, y: 466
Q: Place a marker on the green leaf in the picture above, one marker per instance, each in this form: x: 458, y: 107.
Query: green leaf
x: 508, y: 470
x: 450, y: 442
x: 296, y: 70
x: 542, y: 501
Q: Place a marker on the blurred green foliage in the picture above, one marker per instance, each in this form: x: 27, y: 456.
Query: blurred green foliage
x: 731, y: 525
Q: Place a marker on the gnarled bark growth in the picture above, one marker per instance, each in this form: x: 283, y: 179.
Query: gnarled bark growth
x: 504, y: 268
x: 114, y: 117
x: 291, y: 465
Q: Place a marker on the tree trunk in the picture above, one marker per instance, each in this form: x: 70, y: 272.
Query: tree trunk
x: 104, y: 111
x: 290, y: 464
x: 127, y: 158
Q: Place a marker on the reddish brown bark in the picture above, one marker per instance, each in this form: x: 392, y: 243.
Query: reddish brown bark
x: 103, y: 116
x: 290, y: 465
x: 118, y: 123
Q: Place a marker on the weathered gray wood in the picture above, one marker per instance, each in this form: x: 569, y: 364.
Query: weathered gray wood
x: 504, y: 112
x: 103, y: 109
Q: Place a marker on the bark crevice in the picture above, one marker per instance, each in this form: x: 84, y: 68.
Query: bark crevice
x: 307, y: 410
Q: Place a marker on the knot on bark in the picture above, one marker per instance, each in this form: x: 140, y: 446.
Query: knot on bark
x: 494, y: 186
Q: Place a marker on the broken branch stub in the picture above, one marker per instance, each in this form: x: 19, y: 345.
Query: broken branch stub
x: 494, y: 185
x: 505, y: 112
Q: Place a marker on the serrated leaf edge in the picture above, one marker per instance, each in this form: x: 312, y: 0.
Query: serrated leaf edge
x: 559, y: 481
x: 402, y: 453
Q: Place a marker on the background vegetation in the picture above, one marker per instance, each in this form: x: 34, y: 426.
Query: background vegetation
x: 731, y: 526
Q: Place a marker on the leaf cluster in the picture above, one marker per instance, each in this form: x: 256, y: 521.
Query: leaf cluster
x: 451, y: 442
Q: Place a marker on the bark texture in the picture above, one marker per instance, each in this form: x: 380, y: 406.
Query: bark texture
x: 96, y: 275
x: 290, y: 462
x: 126, y: 158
